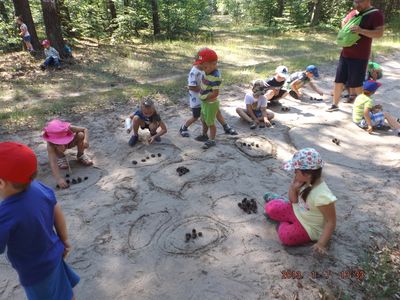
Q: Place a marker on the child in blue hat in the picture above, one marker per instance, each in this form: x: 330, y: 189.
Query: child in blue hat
x: 299, y: 79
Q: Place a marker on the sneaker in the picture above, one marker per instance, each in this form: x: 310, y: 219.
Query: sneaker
x: 133, y: 140
x: 229, y: 130
x: 209, y: 144
x: 333, y: 108
x: 184, y: 132
x: 262, y: 125
x: 202, y: 138
x: 294, y: 94
x: 253, y: 126
x: 350, y: 99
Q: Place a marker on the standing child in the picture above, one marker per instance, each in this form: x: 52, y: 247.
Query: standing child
x: 256, y: 113
x: 24, y: 33
x: 298, y: 79
x: 310, y: 214
x: 207, y: 61
x: 194, y: 83
x: 61, y: 136
x: 52, y: 56
x: 368, y: 116
x: 29, y: 213
x: 146, y: 117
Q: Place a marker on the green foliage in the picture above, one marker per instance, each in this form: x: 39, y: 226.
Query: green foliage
x: 9, y: 39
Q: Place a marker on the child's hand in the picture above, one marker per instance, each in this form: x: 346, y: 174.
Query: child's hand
x: 67, y: 249
x: 321, y: 93
x: 62, y: 183
x: 317, y: 248
x: 296, y: 185
x: 369, y: 129
x: 151, y: 139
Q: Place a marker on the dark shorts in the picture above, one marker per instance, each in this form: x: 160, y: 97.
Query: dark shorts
x: 279, y: 96
x: 351, y: 71
x: 27, y: 38
x: 257, y: 113
x: 196, y: 112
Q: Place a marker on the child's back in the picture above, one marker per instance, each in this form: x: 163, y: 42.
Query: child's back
x: 194, y: 80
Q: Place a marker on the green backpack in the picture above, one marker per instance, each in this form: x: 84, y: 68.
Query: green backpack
x: 347, y: 38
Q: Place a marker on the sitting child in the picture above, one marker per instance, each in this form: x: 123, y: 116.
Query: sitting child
x: 298, y: 79
x: 32, y: 227
x: 256, y: 113
x: 61, y: 136
x: 368, y: 116
x: 274, y: 85
x: 52, y: 56
x: 146, y: 117
x: 67, y: 49
x: 194, y: 83
x: 374, y: 71
x: 310, y: 213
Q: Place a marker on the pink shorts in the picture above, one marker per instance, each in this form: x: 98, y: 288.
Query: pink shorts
x: 290, y: 230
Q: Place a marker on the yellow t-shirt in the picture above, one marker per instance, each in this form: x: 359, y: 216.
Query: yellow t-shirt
x: 308, y: 213
x: 360, y: 103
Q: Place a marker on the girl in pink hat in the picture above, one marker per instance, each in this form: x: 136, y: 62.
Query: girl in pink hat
x: 61, y: 136
x: 309, y: 214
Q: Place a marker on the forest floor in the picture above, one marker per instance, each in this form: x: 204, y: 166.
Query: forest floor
x: 128, y: 222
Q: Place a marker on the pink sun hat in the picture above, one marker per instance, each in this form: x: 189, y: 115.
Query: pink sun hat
x: 58, y: 132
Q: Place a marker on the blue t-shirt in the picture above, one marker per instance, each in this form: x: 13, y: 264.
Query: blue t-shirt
x: 26, y: 228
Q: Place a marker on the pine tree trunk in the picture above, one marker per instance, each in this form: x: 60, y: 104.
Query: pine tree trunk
x: 53, y: 25
x: 316, y: 13
x: 156, y: 17
x: 281, y: 7
x: 23, y: 9
x: 113, y: 15
x: 3, y: 12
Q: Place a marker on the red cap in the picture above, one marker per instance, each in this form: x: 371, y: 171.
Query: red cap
x: 205, y: 55
x: 45, y: 42
x: 18, y: 163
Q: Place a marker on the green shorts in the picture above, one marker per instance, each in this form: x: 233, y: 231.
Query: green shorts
x: 209, y: 112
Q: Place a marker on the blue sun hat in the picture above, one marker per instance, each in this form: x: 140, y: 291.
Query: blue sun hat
x: 305, y: 159
x: 313, y: 69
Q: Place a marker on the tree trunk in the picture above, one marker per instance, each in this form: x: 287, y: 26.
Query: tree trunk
x: 316, y: 13
x: 53, y: 26
x: 156, y: 17
x: 126, y: 2
x: 3, y: 12
x: 113, y: 15
x: 65, y: 17
x: 281, y: 7
x: 23, y: 9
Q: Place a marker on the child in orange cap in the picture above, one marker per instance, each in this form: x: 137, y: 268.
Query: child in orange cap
x: 29, y: 213
x: 61, y: 136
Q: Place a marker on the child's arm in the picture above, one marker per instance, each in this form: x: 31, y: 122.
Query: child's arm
x: 250, y: 111
x: 160, y: 133
x: 23, y: 30
x: 329, y: 213
x: 265, y: 115
x: 294, y: 189
x: 51, y: 152
x: 76, y: 129
x: 61, y: 229
x: 212, y: 96
x: 295, y: 85
x: 368, y: 119
x: 316, y: 89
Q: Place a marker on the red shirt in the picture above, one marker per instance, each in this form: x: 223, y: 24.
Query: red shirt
x: 362, y: 49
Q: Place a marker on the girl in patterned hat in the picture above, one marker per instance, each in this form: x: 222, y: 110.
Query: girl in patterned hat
x: 310, y: 213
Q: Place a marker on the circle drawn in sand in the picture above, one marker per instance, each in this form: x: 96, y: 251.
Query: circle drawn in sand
x: 151, y: 155
x: 144, y: 229
x: 256, y: 147
x: 226, y: 208
x: 172, y: 239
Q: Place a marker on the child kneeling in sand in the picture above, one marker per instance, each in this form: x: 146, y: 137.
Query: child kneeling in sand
x: 32, y: 227
x: 256, y: 112
x: 310, y: 214
x: 298, y: 79
x: 368, y: 116
x: 274, y: 85
x: 61, y: 136
x: 146, y: 117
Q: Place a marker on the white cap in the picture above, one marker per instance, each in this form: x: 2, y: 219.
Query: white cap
x: 282, y: 71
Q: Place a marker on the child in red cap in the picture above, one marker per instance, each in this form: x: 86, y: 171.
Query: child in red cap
x: 61, y: 136
x: 207, y: 61
x: 29, y: 212
x: 52, y: 56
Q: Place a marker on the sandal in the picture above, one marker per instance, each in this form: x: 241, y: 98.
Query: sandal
x: 229, y: 130
x: 85, y: 160
x: 209, y: 144
x: 62, y: 163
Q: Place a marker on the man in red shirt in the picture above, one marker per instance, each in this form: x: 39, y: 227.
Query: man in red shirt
x: 353, y: 60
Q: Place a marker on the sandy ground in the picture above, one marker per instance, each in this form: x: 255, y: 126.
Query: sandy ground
x: 127, y: 222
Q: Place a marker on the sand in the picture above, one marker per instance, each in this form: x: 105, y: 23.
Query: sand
x: 127, y: 223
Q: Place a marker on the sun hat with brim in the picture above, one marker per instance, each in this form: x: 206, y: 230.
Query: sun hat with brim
x: 282, y: 71
x: 58, y: 132
x: 305, y: 159
x: 313, y: 69
x: 18, y: 162
x: 371, y: 85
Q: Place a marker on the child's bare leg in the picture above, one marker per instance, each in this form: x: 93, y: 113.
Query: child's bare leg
x: 392, y: 121
x: 205, y: 127
x: 220, y: 118
x: 213, y: 132
x: 190, y: 121
x: 80, y: 136
x: 136, y: 123
x: 153, y: 128
x: 242, y: 113
x: 29, y: 45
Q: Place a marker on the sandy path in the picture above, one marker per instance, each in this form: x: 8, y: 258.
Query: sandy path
x: 128, y: 222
